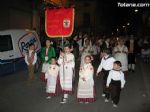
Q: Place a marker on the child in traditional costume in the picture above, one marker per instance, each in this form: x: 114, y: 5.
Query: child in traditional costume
x: 31, y: 59
x: 67, y: 64
x: 53, y: 80
x: 86, y: 91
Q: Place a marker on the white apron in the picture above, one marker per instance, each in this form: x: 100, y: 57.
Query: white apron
x: 51, y: 76
x: 66, y: 71
x: 86, y: 88
x: 45, y: 67
x: 122, y: 57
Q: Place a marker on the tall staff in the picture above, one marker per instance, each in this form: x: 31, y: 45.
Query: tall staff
x: 59, y: 23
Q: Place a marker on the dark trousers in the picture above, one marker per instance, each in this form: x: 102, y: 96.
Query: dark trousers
x: 30, y: 72
x: 115, y: 89
x: 105, y: 89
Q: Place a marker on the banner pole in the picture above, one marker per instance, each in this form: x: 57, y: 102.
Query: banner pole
x: 63, y: 61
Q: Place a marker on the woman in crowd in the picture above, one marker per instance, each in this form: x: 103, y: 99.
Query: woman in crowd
x: 121, y: 54
x: 46, y: 54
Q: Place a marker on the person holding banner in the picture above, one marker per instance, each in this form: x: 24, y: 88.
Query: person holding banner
x: 67, y: 64
x: 46, y: 54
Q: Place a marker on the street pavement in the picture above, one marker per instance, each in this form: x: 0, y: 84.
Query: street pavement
x: 16, y: 95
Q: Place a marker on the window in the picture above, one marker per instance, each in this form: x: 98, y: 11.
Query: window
x: 5, y: 43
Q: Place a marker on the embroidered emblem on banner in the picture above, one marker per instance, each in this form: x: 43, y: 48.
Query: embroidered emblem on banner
x: 66, y: 23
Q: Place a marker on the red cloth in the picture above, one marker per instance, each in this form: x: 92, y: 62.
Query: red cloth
x: 59, y: 22
x: 42, y: 77
x: 86, y: 99
x: 67, y: 92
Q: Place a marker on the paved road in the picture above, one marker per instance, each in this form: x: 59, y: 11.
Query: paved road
x: 17, y: 96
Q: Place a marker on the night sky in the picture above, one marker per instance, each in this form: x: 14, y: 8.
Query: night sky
x: 112, y: 17
x: 117, y: 16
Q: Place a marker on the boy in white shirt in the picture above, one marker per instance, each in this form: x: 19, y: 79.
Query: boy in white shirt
x: 115, y: 82
x: 105, y: 66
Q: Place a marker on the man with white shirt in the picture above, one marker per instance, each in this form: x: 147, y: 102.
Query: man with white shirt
x: 105, y: 66
x: 115, y: 82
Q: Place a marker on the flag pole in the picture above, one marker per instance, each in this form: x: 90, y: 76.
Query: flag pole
x: 63, y: 61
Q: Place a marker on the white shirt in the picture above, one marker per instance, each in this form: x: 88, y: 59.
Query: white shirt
x: 68, y: 60
x: 116, y: 76
x: 122, y: 49
x: 35, y: 57
x: 52, y: 70
x: 106, y: 63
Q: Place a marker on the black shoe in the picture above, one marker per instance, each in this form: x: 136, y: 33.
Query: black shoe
x: 64, y: 100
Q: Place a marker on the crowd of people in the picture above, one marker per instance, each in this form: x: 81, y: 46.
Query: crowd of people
x: 116, y: 55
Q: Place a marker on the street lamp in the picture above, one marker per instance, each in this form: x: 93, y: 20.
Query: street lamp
x: 123, y: 26
x: 136, y: 10
x: 117, y: 29
x: 128, y: 24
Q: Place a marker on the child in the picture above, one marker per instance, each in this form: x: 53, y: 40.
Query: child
x: 105, y: 66
x: 67, y: 64
x: 52, y: 76
x: 85, y: 92
x: 116, y: 82
x: 31, y: 59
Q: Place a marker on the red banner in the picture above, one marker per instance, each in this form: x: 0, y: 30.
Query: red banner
x: 59, y: 22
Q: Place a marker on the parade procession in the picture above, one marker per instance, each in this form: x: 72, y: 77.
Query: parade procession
x: 76, y: 56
